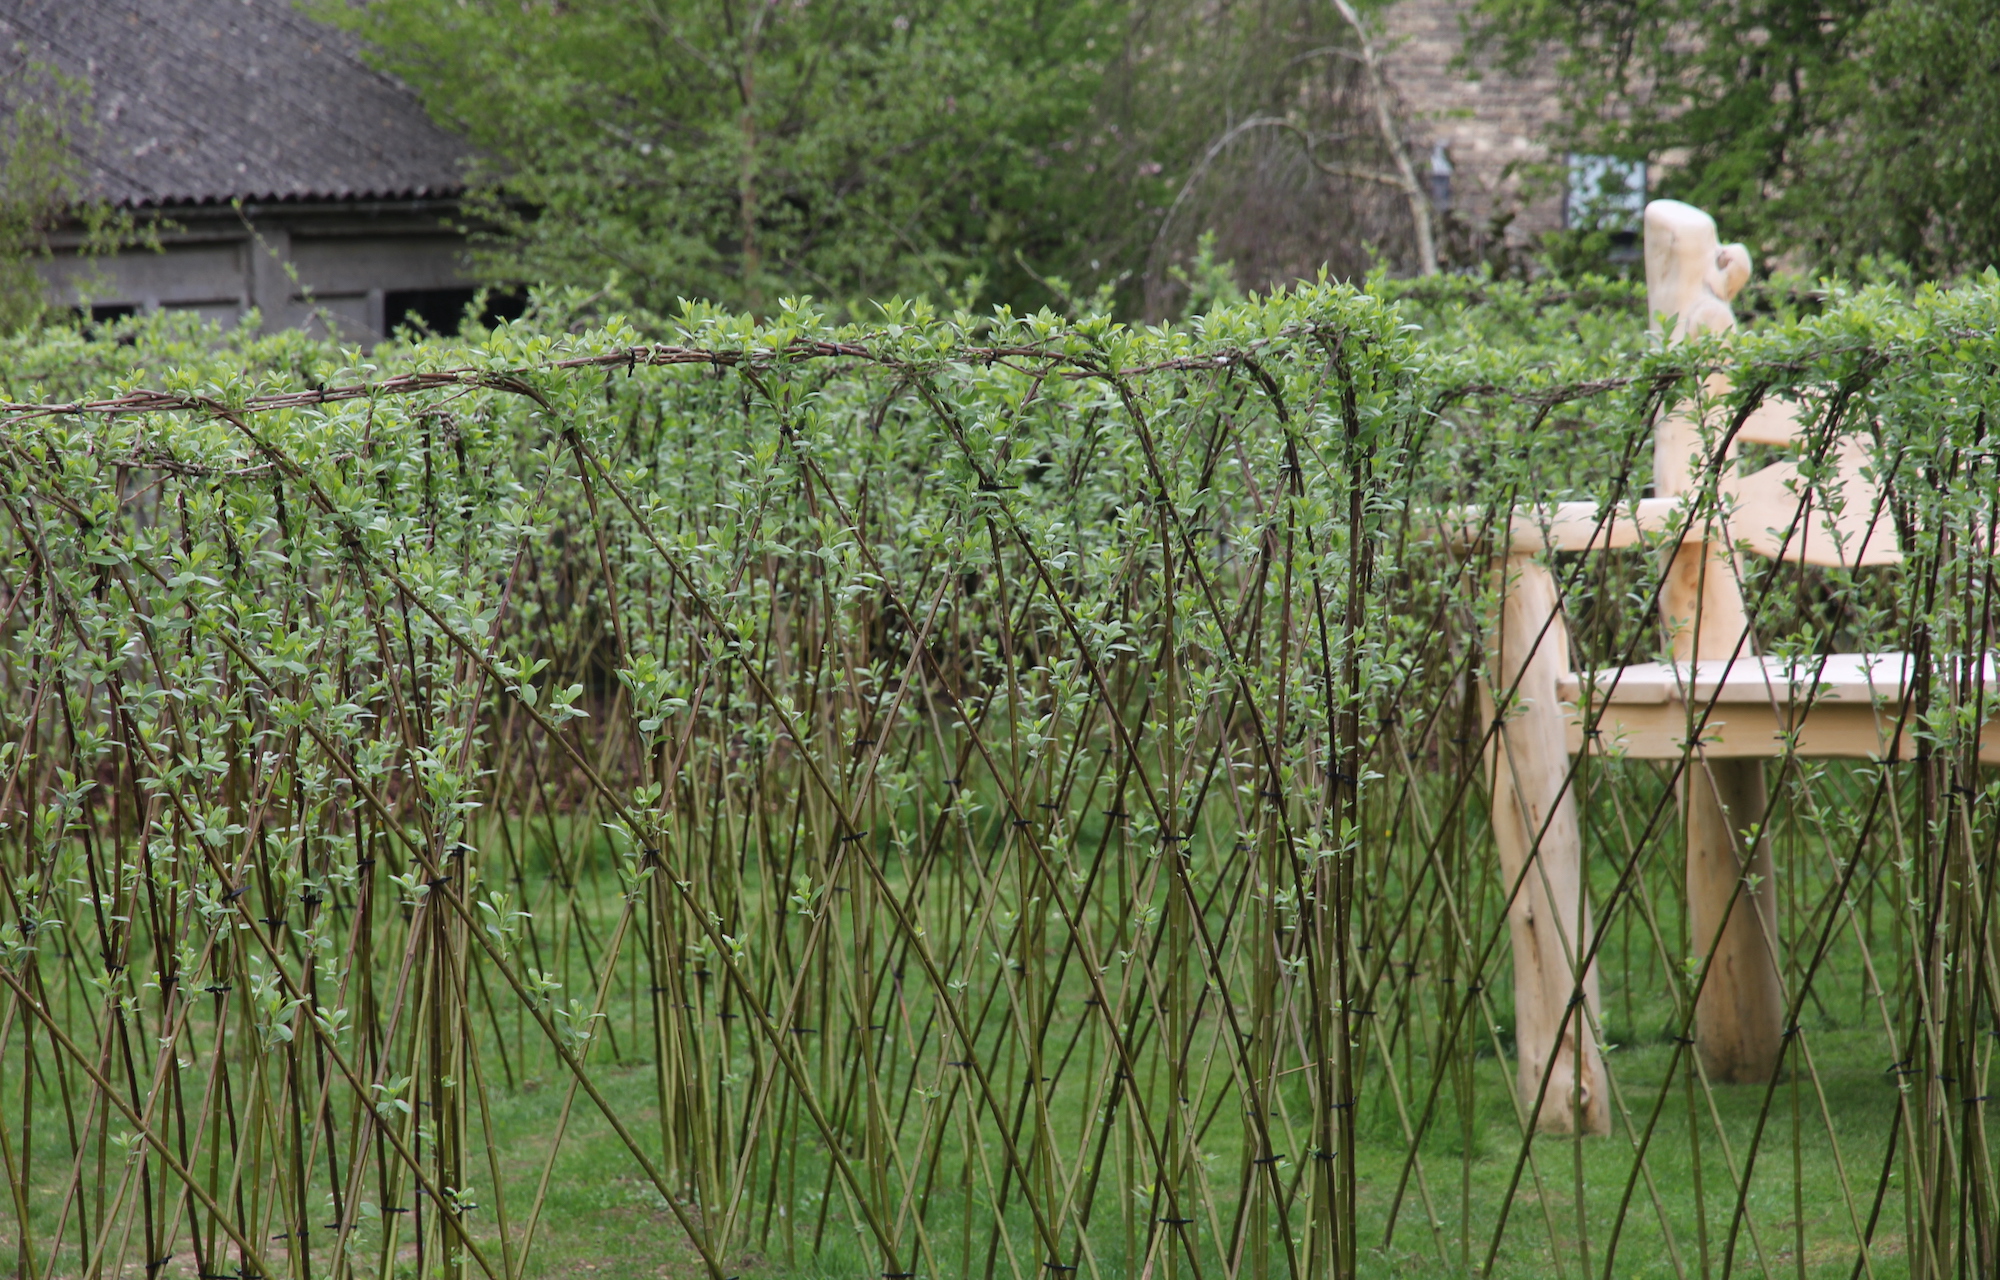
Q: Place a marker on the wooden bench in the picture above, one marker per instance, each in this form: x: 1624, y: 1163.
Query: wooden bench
x: 1717, y: 701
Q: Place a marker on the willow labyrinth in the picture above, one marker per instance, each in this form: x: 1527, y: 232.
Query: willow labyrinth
x: 956, y: 797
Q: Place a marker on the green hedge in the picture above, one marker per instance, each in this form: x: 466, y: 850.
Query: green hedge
x: 820, y: 750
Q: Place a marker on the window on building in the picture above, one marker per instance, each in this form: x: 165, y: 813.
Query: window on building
x: 442, y: 311
x: 1604, y: 192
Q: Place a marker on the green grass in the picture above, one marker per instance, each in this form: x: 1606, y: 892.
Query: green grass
x: 605, y: 1220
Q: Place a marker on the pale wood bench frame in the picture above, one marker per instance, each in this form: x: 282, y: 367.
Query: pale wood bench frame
x: 1748, y: 708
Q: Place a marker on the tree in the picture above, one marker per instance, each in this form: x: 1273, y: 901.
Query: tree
x: 41, y: 178
x: 1282, y: 135
x: 742, y: 150
x: 1833, y: 129
x: 1926, y: 182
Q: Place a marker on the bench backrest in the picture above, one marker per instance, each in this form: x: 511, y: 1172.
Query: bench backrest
x: 1691, y: 280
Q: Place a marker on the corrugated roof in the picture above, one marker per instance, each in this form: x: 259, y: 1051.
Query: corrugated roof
x: 214, y: 100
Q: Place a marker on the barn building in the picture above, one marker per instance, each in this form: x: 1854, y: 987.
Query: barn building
x: 284, y: 173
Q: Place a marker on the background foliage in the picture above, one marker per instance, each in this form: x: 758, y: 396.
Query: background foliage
x: 1830, y: 131
x: 863, y: 149
x: 43, y: 182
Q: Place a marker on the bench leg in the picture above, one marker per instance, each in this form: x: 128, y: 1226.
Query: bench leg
x: 1541, y: 849
x: 1739, y: 1016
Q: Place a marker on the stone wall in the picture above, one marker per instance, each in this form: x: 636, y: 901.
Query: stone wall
x: 1488, y: 120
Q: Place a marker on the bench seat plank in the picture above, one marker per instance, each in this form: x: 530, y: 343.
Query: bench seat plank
x: 1845, y: 706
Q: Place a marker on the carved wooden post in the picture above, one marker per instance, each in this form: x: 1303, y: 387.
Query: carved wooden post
x: 1731, y: 890
x: 1541, y: 849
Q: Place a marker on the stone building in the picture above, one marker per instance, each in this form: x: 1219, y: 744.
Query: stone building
x: 1475, y: 126
x: 284, y: 173
x: 1477, y: 129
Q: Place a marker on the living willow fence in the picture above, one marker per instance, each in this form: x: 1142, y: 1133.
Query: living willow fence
x: 946, y: 799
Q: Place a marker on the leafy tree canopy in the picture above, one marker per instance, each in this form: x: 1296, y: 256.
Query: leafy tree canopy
x: 1835, y: 129
x: 41, y: 180
x: 743, y: 150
